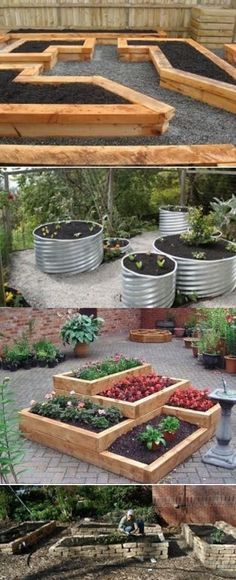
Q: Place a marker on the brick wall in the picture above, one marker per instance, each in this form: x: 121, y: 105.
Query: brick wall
x: 47, y: 323
x: 149, y: 316
x: 195, y: 504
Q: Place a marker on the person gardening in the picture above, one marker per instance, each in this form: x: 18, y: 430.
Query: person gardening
x: 129, y: 525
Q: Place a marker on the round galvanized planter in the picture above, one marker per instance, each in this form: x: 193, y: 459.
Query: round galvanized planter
x: 141, y: 291
x: 124, y: 249
x: 68, y: 256
x: 172, y: 222
x: 205, y: 278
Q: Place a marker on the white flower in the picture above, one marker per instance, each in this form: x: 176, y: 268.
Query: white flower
x: 72, y: 392
x: 69, y: 404
x: 101, y: 412
x: 32, y: 402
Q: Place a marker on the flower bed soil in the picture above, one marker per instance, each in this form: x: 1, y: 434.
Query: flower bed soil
x: 40, y: 45
x: 107, y: 540
x: 69, y: 93
x: 60, y: 30
x: 185, y: 57
x: 149, y: 265
x: 18, y: 531
x: 68, y: 229
x: 174, y: 246
x: 204, y: 532
x: 129, y: 446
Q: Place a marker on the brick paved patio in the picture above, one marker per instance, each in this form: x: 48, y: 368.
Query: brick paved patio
x: 46, y: 466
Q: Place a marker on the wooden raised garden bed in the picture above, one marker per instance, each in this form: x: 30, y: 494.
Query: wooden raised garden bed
x: 120, y: 547
x: 48, y: 51
x: 187, y: 67
x: 230, y: 53
x: 26, y: 534
x: 145, y: 405
x: 61, y: 437
x: 92, y: 106
x: 203, y: 419
x: 109, y: 37
x: 65, y: 382
x: 150, y: 335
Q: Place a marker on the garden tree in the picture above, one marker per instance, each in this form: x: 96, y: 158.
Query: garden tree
x: 203, y: 187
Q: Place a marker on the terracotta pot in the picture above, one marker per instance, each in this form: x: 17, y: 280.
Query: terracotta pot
x: 170, y: 436
x: 179, y: 332
x: 155, y: 445
x: 81, y: 349
x: 195, y: 351
x: 188, y: 342
x: 230, y: 364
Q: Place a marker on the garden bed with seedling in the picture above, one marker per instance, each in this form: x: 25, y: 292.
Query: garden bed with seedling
x: 213, y: 546
x: 187, y: 67
x: 147, y: 335
x: 138, y: 395
x: 148, y: 280
x: 194, y: 404
x: 94, y: 378
x: 68, y: 246
x: 18, y: 538
x: 112, y: 546
x: 72, y: 424
x: 74, y: 106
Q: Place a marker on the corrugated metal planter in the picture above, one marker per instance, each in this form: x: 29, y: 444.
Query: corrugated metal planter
x: 71, y: 256
x: 123, y: 249
x: 172, y: 222
x: 205, y: 278
x: 142, y: 291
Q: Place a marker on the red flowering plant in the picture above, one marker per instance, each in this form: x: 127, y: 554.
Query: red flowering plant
x: 137, y: 387
x: 191, y: 398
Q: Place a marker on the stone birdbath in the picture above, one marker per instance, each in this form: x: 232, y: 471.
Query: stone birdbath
x: 223, y: 454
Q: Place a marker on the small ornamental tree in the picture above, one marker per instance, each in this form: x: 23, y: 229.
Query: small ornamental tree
x: 201, y: 228
x: 11, y: 453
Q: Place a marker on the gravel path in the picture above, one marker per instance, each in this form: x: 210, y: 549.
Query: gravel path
x: 102, y: 287
x: 194, y: 122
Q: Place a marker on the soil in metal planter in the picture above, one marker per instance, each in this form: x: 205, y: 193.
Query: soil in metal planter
x: 183, y: 56
x: 68, y: 229
x: 40, y: 46
x: 69, y: 93
x: 205, y: 532
x: 19, y: 531
x: 128, y: 445
x: 175, y: 208
x: 174, y: 246
x: 149, y: 265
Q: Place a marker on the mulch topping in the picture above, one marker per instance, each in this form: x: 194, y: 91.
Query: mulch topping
x: 69, y: 93
x: 40, y: 46
x: 149, y: 264
x: 183, y: 56
x: 128, y: 445
x: 174, y: 246
x: 204, y: 532
x: 68, y: 229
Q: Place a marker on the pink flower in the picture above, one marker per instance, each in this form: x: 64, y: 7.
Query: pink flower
x: 72, y: 392
x: 101, y: 412
x: 48, y: 396
x: 81, y: 405
x: 53, y: 393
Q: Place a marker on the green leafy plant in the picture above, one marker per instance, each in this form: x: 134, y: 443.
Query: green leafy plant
x: 231, y: 339
x: 139, y: 265
x: 108, y: 366
x: 225, y: 216
x: 11, y: 453
x: 170, y: 424
x: 217, y: 536
x: 199, y: 255
x: 201, y: 228
x: 160, y: 262
x: 152, y: 435
x: 209, y: 342
x: 231, y: 247
x: 132, y: 258
x: 81, y: 329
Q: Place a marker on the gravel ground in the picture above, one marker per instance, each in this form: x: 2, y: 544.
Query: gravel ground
x: 193, y: 123
x: 101, y: 287
x: 42, y: 566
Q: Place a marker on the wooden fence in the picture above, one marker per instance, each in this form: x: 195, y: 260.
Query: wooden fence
x: 172, y: 15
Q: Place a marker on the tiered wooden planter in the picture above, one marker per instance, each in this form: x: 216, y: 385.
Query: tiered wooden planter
x: 28, y: 533
x: 206, y: 419
x: 150, y: 335
x: 64, y: 383
x: 215, y: 93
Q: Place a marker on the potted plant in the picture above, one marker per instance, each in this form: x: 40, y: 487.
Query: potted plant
x: 230, y: 358
x: 169, y: 427
x: 42, y: 357
x: 173, y: 219
x: 152, y: 438
x: 81, y: 330
x: 179, y: 331
x: 208, y: 347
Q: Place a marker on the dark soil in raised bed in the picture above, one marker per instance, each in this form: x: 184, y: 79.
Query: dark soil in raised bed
x: 41, y: 45
x: 174, y: 246
x: 67, y: 230
x: 107, y: 540
x: 128, y: 445
x: 69, y: 93
x: 177, y: 208
x: 81, y: 30
x: 205, y: 532
x: 183, y: 56
x: 19, y: 531
x: 150, y: 267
